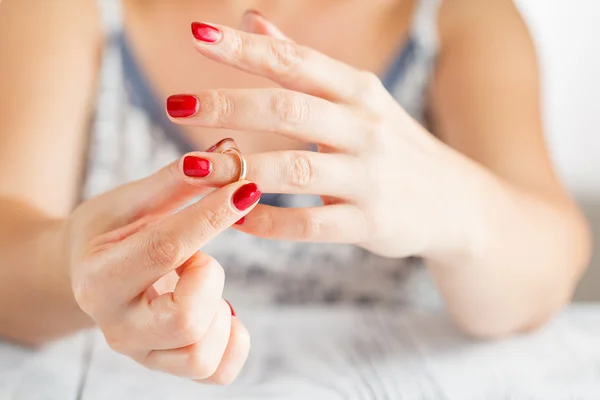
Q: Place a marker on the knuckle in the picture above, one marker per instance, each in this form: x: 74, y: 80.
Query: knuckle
x: 376, y: 137
x: 222, y: 107
x: 202, y: 366
x: 164, y: 251
x: 284, y: 57
x: 188, y: 320
x: 238, y: 44
x: 370, y: 86
x: 216, y: 272
x: 301, y: 170
x: 201, y: 361
x: 265, y: 225
x: 290, y: 108
x: 312, y: 225
x: 371, y: 81
x: 215, y: 220
x: 188, y: 325
x: 213, y: 271
x: 377, y: 225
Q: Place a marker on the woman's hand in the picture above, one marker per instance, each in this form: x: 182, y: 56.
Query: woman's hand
x: 503, y: 241
x: 136, y: 270
x: 384, y: 180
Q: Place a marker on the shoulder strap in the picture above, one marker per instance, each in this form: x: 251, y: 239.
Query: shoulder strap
x: 424, y: 28
x: 409, y: 87
x: 111, y: 15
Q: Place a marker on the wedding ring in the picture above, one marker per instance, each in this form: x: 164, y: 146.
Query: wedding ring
x: 240, y: 156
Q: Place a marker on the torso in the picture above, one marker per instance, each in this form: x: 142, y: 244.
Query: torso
x: 368, y: 36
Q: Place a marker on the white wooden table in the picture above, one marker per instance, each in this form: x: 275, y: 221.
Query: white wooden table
x: 308, y: 353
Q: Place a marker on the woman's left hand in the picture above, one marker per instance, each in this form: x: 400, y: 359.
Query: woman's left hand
x: 386, y: 183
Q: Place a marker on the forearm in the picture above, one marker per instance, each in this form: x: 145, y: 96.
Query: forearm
x: 521, y: 259
x: 36, y: 301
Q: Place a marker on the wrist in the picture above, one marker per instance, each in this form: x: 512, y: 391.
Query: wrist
x: 54, y: 247
x: 51, y: 250
x: 458, y: 227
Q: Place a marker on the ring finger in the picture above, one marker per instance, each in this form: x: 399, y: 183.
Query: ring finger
x: 300, y: 172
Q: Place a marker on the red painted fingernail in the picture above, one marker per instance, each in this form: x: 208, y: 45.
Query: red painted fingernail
x: 205, y: 33
x: 241, y: 221
x: 220, y: 142
x: 232, y: 311
x: 182, y: 105
x: 246, y: 196
x: 196, y: 167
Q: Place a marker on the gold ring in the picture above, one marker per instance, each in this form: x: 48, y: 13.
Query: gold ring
x: 242, y: 159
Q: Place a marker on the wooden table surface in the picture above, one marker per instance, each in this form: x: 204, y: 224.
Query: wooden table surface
x: 328, y: 353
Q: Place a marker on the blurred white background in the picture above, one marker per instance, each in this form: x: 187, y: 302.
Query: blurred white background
x: 567, y: 34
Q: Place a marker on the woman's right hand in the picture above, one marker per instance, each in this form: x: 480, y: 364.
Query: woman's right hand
x: 126, y: 245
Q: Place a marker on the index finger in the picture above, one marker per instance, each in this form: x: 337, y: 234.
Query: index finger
x: 289, y: 64
x: 150, y: 254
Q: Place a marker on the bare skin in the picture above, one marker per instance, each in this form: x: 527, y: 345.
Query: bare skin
x: 506, y: 253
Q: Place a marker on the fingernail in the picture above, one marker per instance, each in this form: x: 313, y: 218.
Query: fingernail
x: 232, y: 311
x: 246, y: 196
x: 205, y: 33
x: 254, y: 12
x: 219, y: 143
x: 182, y: 105
x: 196, y: 167
x: 241, y: 221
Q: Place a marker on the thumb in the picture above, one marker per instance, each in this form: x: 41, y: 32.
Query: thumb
x: 147, y: 199
x: 254, y: 22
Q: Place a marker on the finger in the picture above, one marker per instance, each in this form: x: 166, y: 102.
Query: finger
x: 284, y: 112
x: 235, y: 355
x: 298, y: 172
x: 158, y: 194
x: 254, y: 22
x: 182, y: 317
x: 143, y: 258
x: 339, y: 223
x: 199, y: 360
x: 163, y: 192
x: 172, y: 319
x: 290, y: 65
